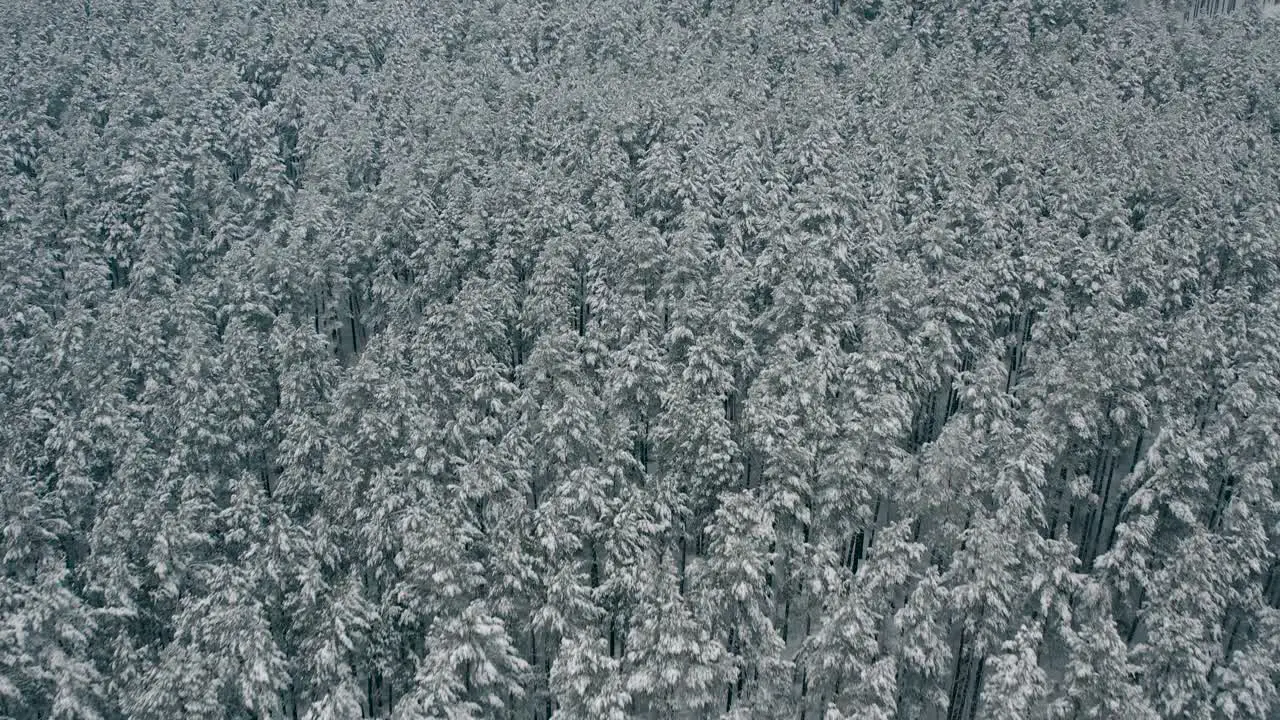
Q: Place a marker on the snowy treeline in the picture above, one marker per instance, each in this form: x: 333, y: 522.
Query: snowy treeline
x: 647, y: 359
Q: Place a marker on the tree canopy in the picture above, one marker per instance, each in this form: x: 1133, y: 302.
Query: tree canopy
x: 652, y: 359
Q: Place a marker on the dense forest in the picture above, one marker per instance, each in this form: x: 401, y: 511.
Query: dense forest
x: 818, y: 359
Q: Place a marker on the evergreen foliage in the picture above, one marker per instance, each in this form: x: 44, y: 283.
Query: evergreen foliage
x: 655, y: 359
